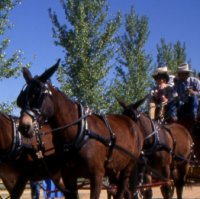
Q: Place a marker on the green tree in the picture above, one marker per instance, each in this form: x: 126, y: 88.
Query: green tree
x: 9, y: 66
x: 132, y: 80
x: 88, y: 41
x: 171, y: 55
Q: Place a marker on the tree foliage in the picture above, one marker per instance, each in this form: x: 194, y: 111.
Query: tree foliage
x: 7, y: 107
x: 9, y: 66
x: 88, y: 40
x: 133, y: 67
x: 170, y: 54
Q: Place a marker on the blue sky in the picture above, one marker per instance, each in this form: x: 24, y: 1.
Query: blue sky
x: 32, y: 32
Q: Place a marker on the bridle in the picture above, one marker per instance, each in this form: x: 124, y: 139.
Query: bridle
x: 22, y: 100
x: 35, y: 113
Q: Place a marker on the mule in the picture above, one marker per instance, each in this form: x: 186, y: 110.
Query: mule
x: 168, y: 149
x: 19, y: 160
x: 192, y: 124
x: 90, y: 145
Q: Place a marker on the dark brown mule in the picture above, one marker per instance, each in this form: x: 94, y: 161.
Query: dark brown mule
x: 19, y: 162
x: 168, y: 148
x: 191, y: 124
x: 91, y: 146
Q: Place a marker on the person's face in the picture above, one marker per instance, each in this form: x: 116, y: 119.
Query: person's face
x: 183, y: 76
x: 160, y: 80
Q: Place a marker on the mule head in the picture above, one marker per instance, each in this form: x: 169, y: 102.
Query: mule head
x: 128, y: 110
x: 132, y: 109
x: 35, y: 100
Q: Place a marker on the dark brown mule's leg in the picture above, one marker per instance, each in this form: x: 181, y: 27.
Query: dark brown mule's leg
x: 166, y: 189
x: 134, y: 181
x: 147, y: 193
x: 123, y: 184
x: 18, y: 189
x: 143, y: 178
x: 96, y: 185
x: 180, y: 179
x: 71, y: 188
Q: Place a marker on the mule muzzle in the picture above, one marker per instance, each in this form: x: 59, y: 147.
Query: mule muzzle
x: 28, y: 124
x: 26, y: 130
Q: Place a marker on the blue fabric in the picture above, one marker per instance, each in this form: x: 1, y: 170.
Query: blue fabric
x: 182, y: 87
x: 171, y: 110
x: 188, y: 109
x: 188, y: 105
x: 50, y: 190
x: 35, y: 190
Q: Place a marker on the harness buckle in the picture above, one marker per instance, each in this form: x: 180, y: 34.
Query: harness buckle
x: 39, y: 154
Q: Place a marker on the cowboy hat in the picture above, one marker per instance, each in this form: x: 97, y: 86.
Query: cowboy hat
x: 161, y: 72
x: 184, y: 68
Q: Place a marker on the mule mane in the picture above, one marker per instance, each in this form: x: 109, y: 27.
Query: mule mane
x: 56, y: 89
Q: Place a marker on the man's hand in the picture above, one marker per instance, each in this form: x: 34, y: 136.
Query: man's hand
x: 191, y: 92
x: 164, y: 99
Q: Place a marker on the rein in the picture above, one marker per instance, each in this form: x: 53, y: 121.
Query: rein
x: 156, y: 145
x: 69, y: 125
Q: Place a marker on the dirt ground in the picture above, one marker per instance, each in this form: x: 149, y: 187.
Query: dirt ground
x: 192, y: 192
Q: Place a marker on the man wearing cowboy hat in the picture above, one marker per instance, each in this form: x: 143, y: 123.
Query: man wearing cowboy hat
x: 162, y: 96
x: 188, y: 90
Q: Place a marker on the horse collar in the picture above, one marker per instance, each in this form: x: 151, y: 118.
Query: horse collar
x: 156, y: 141
x: 16, y: 144
x: 82, y: 136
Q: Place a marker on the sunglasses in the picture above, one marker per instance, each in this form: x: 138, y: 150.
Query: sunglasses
x: 160, y: 77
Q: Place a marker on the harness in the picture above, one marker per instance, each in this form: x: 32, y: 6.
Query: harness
x: 153, y: 147
x: 157, y: 145
x: 81, y: 137
x: 84, y: 133
x: 20, y: 143
x: 16, y: 147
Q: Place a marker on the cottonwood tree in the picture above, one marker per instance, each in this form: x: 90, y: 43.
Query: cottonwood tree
x: 9, y: 66
x: 171, y: 55
x: 87, y: 38
x: 132, y: 80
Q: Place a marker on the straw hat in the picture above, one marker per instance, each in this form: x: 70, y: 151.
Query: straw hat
x: 184, y: 68
x: 161, y: 72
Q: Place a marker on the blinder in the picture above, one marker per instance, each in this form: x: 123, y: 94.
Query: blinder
x: 44, y: 91
x: 23, y: 100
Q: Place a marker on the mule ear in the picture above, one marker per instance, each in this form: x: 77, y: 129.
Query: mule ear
x: 26, y: 74
x: 122, y: 103
x: 139, y: 102
x: 49, y: 72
